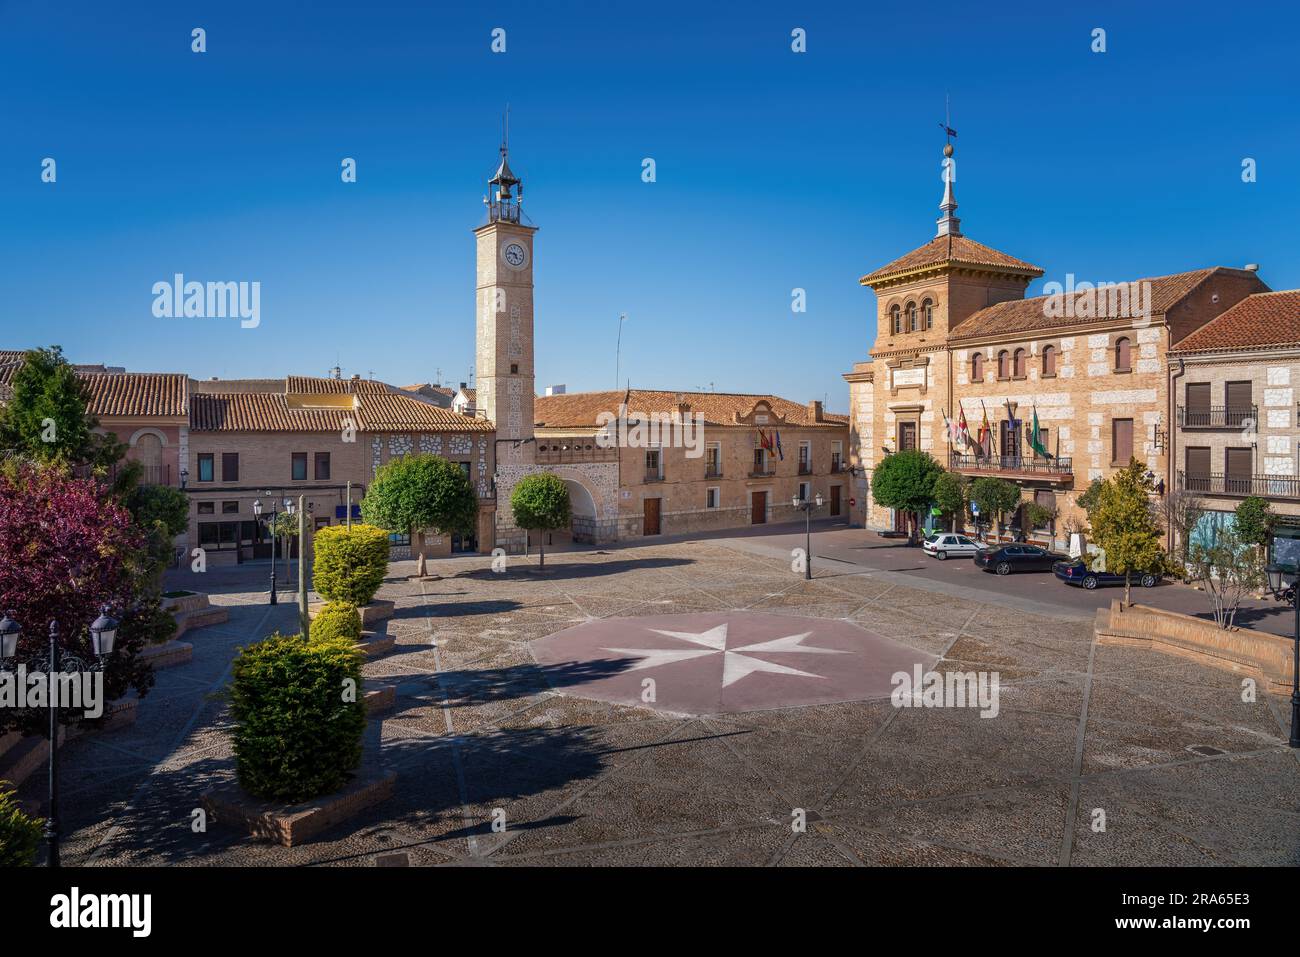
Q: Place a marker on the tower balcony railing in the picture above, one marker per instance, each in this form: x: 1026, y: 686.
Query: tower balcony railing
x: 499, y: 212
x: 1232, y: 418
x: 566, y: 451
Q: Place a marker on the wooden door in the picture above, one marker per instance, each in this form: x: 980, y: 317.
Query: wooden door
x: 758, y: 510
x: 906, y: 436
x: 650, y: 524
x: 835, y: 500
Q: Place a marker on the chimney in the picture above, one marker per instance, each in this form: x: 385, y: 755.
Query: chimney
x: 356, y: 377
x: 815, y: 411
x: 462, y: 387
x: 1252, y: 267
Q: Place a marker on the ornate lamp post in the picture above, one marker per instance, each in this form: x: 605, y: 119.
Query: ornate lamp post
x: 103, y: 637
x: 807, y: 507
x: 1291, y: 594
x: 270, y: 524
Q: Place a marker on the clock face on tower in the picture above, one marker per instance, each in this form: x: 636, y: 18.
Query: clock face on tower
x: 514, y: 253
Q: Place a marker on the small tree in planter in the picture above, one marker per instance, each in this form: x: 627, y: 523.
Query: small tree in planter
x: 1125, y: 525
x: 1254, y: 521
x: 299, y: 716
x: 1038, y: 516
x: 350, y: 563
x: 950, y: 490
x: 540, y: 503
x: 1229, y: 569
x: 905, y: 482
x: 20, y: 835
x: 338, y: 619
x: 417, y: 492
x: 995, y: 497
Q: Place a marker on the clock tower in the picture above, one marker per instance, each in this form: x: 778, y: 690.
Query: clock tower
x: 504, y: 309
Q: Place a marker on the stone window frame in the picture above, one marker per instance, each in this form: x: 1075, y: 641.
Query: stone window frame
x: 912, y: 316
x: 714, y: 491
x: 1004, y: 366
x: 1049, y: 350
x: 895, y: 320
x: 1126, y: 351
x: 977, y: 367
x: 927, y: 314
x: 1019, y: 366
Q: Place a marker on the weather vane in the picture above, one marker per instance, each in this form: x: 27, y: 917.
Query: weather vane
x: 947, y: 119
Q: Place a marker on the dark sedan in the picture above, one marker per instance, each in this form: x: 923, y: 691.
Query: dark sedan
x: 1075, y: 572
x: 1017, y: 558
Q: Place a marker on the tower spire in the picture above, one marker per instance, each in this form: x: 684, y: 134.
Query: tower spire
x: 949, y: 225
x: 501, y: 202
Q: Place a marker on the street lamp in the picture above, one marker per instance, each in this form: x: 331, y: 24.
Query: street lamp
x: 807, y: 507
x: 270, y: 524
x: 185, y: 478
x: 103, y: 636
x: 1291, y: 594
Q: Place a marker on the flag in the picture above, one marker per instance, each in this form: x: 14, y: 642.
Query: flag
x: 780, y: 452
x: 986, y: 432
x: 962, y: 428
x: 1036, y: 437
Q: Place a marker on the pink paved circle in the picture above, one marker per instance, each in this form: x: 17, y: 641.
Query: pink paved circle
x: 722, y: 662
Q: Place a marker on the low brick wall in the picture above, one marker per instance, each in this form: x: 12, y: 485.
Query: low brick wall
x: 1267, y: 657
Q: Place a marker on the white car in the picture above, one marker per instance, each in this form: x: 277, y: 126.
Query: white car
x: 945, y: 544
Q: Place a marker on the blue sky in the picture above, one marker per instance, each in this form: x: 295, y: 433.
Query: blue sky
x: 775, y: 170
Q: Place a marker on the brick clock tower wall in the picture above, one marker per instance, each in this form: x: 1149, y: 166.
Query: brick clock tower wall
x: 504, y: 347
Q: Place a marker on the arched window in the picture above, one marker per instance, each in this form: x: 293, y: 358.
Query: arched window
x: 895, y: 320
x: 1049, y: 360
x: 1004, y: 365
x: 977, y: 368
x: 1019, y: 364
x: 927, y: 314
x: 911, y: 317
x: 1123, y: 355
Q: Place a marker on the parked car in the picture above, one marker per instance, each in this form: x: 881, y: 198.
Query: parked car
x: 1073, y: 571
x: 947, y: 543
x: 1017, y: 558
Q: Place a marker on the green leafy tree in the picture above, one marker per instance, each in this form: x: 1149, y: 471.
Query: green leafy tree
x: 950, y: 491
x: 349, y: 564
x: 417, y: 492
x: 46, y: 419
x: 1089, y: 497
x: 540, y: 503
x: 905, y: 482
x: 20, y: 835
x: 1126, y: 527
x: 1229, y: 568
x: 1254, y: 521
x: 1038, y: 516
x: 995, y: 497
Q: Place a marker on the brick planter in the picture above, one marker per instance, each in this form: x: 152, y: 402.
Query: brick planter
x: 294, y: 824
x: 1268, y: 657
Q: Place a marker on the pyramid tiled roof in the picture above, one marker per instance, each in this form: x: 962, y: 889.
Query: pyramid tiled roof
x: 951, y: 250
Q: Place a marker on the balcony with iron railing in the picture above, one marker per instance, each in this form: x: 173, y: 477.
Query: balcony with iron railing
x: 652, y: 475
x: 1240, y: 486
x: 805, y: 468
x: 564, y: 452
x: 1232, y: 418
x: 766, y: 472
x: 713, y: 471
x: 1055, y: 469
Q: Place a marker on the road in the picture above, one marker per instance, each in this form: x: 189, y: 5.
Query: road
x: 853, y: 550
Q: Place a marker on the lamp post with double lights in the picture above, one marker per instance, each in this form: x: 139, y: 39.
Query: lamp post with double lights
x: 288, y: 546
x: 103, y: 637
x: 807, y: 507
x: 1290, y: 593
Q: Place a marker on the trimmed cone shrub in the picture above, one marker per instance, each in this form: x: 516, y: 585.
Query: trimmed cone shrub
x: 20, y: 835
x: 350, y: 564
x: 338, y: 619
x: 299, y: 716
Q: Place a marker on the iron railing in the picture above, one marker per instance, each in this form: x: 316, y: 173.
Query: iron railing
x: 1060, y: 465
x: 1218, y: 417
x: 1265, y: 486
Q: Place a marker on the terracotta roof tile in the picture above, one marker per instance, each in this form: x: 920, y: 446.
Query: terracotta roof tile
x: 579, y: 409
x: 394, y: 411
x: 260, y: 412
x: 138, y: 393
x: 1257, y: 322
x: 951, y: 250
x: 1024, y: 315
x: 313, y: 385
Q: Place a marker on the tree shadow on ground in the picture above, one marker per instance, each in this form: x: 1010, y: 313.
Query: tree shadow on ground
x: 435, y: 609
x: 1278, y: 620
x: 567, y: 571
x: 469, y: 687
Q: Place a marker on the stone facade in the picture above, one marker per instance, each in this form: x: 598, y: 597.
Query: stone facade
x: 954, y: 334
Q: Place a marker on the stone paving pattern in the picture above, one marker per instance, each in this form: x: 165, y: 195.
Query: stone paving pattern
x: 480, y: 726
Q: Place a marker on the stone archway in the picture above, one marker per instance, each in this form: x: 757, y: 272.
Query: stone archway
x: 593, y: 496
